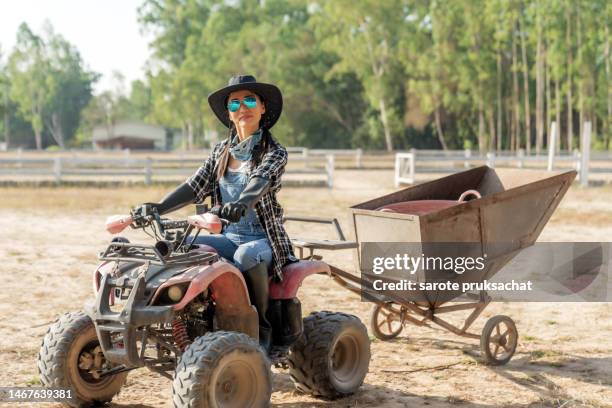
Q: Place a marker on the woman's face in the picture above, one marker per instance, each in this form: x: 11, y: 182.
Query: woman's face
x: 245, y: 117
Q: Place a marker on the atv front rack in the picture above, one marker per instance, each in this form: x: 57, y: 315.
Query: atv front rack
x: 130, y: 324
x: 125, y: 251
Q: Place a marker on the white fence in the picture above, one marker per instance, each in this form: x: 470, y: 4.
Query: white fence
x: 310, y: 165
x: 307, y: 153
x: 129, y: 168
x: 408, y: 164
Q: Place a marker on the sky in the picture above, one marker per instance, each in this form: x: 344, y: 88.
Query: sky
x: 106, y: 32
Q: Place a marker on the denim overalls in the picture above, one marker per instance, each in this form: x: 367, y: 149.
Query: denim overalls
x: 245, y: 242
x: 248, y: 228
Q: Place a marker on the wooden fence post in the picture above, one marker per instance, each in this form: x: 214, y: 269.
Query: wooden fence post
x: 468, y: 154
x: 358, y: 158
x: 520, y: 156
x: 330, y: 170
x: 576, y: 155
x: 126, y: 157
x: 552, y: 143
x: 412, y: 164
x: 397, y: 171
x: 57, y: 169
x: 585, y: 151
x: 491, y: 159
x: 148, y: 171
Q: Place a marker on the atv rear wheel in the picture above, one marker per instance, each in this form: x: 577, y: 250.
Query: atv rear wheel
x: 332, y: 357
x: 223, y: 370
x: 70, y: 356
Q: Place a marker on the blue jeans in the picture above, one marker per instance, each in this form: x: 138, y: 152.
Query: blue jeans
x: 239, y: 250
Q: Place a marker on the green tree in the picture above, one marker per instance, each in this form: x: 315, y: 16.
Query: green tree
x: 356, y: 73
x: 366, y: 35
x: 140, y: 101
x: 70, y: 86
x: 49, y: 83
x: 178, y: 90
x: 29, y: 88
x: 5, y: 101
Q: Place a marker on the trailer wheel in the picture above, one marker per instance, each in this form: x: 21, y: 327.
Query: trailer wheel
x: 386, y: 324
x: 222, y: 370
x: 70, y: 356
x: 332, y: 356
x: 498, y: 340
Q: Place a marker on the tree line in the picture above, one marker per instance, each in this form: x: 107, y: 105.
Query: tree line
x: 46, y: 94
x: 43, y: 89
x: 490, y: 75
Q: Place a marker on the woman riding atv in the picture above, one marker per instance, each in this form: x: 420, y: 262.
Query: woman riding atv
x: 242, y: 176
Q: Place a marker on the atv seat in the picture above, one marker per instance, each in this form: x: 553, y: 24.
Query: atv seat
x: 293, y: 275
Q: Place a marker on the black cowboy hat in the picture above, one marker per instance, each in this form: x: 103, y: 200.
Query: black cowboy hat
x: 270, y: 95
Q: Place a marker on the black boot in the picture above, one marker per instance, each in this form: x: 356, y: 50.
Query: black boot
x: 257, y: 282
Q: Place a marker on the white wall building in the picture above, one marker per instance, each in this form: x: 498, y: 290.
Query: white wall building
x: 131, y: 134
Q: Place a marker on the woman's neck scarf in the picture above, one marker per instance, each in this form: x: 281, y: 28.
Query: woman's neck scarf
x: 243, y: 151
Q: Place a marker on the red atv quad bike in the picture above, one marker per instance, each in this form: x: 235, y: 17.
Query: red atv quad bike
x: 184, y: 312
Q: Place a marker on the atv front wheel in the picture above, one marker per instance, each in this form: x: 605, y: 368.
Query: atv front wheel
x: 222, y: 370
x: 332, y: 357
x: 70, y: 357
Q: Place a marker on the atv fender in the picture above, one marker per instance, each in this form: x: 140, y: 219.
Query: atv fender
x: 293, y: 276
x: 233, y: 309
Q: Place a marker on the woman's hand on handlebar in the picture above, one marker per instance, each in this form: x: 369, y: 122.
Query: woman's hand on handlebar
x: 217, y: 210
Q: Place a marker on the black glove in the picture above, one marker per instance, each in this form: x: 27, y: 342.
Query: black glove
x: 233, y: 211
x: 253, y: 191
x: 180, y: 197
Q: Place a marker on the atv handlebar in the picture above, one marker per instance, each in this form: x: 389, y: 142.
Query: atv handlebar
x: 175, y: 232
x: 171, y: 224
x: 145, y: 215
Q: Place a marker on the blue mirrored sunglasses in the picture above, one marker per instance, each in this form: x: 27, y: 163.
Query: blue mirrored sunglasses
x: 250, y: 102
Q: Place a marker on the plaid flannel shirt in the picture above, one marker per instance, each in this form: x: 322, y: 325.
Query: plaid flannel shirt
x: 268, y: 210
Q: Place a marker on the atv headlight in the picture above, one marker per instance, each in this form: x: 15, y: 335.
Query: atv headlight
x: 175, y: 293
x: 171, y: 295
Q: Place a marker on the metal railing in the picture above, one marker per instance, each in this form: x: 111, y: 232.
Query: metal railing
x: 408, y: 164
x: 146, y: 169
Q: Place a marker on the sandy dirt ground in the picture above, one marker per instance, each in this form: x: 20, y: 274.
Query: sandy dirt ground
x: 50, y: 238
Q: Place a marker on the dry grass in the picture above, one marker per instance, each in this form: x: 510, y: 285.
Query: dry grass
x: 74, y: 198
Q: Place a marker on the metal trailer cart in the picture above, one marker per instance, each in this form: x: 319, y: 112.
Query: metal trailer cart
x: 512, y: 207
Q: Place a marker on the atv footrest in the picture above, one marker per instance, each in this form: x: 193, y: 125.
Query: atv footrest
x: 278, y: 356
